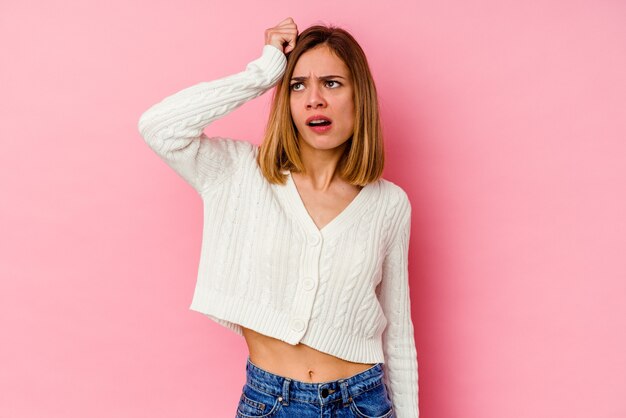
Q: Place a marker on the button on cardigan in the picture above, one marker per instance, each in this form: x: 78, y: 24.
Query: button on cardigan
x: 265, y: 265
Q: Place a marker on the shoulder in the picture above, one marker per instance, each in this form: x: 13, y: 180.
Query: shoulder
x: 225, y: 156
x: 237, y: 144
x: 232, y: 147
x: 394, y: 195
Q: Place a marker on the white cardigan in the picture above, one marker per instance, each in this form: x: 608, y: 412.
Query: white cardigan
x: 264, y: 264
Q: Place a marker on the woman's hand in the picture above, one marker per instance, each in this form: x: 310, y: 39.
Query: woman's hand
x: 282, y: 36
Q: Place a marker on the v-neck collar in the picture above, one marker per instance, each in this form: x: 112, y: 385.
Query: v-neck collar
x: 350, y: 213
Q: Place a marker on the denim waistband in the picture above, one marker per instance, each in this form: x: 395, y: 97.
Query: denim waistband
x: 319, y: 393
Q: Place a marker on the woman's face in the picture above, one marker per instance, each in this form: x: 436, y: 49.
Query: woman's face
x: 321, y: 90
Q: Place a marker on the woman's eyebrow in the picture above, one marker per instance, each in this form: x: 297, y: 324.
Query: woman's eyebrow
x: 324, y: 77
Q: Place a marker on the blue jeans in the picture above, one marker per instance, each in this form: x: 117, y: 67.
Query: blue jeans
x: 266, y: 395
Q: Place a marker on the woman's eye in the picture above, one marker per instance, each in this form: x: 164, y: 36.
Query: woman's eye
x: 333, y: 84
x: 296, y: 86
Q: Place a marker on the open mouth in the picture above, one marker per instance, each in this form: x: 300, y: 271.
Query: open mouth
x: 318, y: 121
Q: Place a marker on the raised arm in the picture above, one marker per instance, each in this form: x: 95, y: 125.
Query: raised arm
x: 173, y: 128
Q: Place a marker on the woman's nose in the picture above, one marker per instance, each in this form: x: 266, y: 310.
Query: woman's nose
x: 316, y: 98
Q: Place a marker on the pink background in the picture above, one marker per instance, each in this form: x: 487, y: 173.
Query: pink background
x: 505, y: 123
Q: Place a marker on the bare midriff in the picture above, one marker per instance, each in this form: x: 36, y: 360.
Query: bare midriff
x: 298, y: 362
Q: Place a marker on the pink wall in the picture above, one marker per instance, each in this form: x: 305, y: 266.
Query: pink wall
x: 505, y: 124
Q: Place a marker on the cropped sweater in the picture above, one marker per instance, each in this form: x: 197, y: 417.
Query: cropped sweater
x: 265, y: 265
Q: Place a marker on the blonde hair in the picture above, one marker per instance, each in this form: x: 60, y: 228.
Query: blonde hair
x: 364, y: 158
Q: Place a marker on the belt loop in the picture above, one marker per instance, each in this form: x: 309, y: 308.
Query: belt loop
x: 285, y: 397
x: 345, y: 397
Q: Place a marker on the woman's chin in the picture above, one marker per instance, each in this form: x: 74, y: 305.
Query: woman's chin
x: 323, y: 142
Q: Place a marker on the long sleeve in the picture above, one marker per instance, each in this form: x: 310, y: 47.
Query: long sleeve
x: 398, y: 338
x: 173, y: 128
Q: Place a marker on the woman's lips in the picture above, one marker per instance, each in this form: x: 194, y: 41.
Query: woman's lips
x: 318, y: 118
x: 319, y: 128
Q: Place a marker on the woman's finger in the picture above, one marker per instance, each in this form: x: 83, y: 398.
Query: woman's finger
x: 282, y: 36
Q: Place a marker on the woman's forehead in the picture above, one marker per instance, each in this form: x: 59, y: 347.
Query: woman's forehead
x: 320, y: 61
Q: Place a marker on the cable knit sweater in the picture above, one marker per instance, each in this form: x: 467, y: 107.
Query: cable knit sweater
x: 265, y: 265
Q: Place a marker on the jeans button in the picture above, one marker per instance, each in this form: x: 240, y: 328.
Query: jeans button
x: 324, y: 393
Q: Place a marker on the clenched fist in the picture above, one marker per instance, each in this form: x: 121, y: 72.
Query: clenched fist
x: 282, y: 36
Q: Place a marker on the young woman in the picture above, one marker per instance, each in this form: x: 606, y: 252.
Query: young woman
x: 305, y: 245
